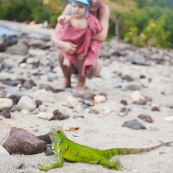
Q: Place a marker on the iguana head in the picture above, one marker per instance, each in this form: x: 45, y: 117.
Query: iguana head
x: 56, y: 135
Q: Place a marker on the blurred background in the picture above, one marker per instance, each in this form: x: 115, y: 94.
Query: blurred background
x: 143, y: 23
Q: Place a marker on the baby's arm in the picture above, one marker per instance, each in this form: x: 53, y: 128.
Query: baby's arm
x: 64, y: 19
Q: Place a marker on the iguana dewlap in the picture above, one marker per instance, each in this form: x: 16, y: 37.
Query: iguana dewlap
x: 66, y: 149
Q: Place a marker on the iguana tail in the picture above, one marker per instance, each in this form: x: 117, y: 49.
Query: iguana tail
x: 123, y: 151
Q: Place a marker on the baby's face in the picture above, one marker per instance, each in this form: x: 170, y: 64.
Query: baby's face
x: 78, y: 9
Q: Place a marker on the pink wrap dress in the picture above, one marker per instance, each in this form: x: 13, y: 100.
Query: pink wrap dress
x: 86, y: 46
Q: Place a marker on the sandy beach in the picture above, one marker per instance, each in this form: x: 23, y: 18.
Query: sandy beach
x: 102, y: 130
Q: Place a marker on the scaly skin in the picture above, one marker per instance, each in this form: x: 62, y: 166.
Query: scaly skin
x: 66, y: 149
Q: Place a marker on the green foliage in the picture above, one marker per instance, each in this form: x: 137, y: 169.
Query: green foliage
x: 139, y: 22
x: 22, y: 10
x: 137, y: 27
x: 27, y: 10
x: 153, y: 34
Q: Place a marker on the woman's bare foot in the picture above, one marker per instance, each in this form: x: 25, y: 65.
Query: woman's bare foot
x: 80, y: 84
x: 66, y: 83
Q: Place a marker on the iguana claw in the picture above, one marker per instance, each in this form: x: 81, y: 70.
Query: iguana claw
x: 42, y: 167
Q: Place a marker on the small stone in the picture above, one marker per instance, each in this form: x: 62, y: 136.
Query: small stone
x: 123, y: 112
x: 6, y: 113
x: 133, y: 86
x: 93, y: 111
x: 58, y: 115
x: 124, y: 102
x: 136, y: 96
x: 99, y: 99
x: 156, y: 109
x: 5, y: 103
x: 46, y: 115
x: 134, y: 124
x: 49, y: 152
x: 144, y: 101
x: 45, y: 138
x: 68, y: 128
x: 25, y: 112
x: 71, y: 102
x: 146, y: 118
x: 106, y: 110
x: 15, y: 98
x: 26, y: 103
x: 38, y: 103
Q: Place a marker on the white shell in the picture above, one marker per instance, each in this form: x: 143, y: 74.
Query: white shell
x: 136, y: 96
x: 99, y: 99
x: 46, y: 115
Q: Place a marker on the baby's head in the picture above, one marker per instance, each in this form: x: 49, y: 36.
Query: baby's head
x: 79, y: 4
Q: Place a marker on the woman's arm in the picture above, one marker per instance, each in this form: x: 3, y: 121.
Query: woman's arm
x: 67, y: 47
x: 104, y: 14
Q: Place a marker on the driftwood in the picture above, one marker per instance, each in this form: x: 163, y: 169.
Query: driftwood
x: 4, y: 122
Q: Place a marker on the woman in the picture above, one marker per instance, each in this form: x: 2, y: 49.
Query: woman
x: 101, y: 11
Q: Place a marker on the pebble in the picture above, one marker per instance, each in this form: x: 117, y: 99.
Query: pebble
x: 26, y: 103
x: 133, y: 86
x: 106, y: 110
x: 5, y: 103
x: 146, y: 118
x: 99, y: 99
x: 24, y: 111
x: 6, y: 113
x: 155, y: 109
x: 136, y: 96
x: 46, y: 115
x: 71, y: 102
x: 134, y: 124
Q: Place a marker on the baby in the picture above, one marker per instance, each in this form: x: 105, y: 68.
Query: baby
x: 79, y: 27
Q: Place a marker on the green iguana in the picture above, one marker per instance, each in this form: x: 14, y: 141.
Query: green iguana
x: 74, y: 152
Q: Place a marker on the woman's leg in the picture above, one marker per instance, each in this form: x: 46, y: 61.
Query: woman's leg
x: 67, y: 71
x: 95, y: 71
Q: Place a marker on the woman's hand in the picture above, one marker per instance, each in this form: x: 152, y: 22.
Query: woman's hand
x: 65, y: 46
x: 68, y: 47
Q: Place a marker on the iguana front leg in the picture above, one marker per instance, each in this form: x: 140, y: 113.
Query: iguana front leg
x: 110, y: 164
x: 59, y: 163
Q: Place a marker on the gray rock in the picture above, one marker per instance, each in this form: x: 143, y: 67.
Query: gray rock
x: 23, y: 142
x: 26, y: 103
x: 132, y: 86
x: 18, y: 49
x: 136, y: 59
x: 134, y: 124
x: 37, y: 43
